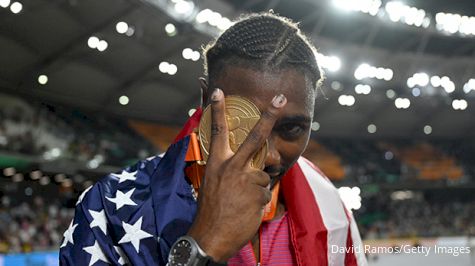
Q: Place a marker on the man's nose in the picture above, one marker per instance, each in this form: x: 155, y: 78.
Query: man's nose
x: 273, y: 155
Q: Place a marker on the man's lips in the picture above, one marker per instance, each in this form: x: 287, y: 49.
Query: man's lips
x: 275, y: 175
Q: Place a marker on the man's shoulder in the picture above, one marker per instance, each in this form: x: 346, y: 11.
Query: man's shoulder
x: 143, y: 168
x: 124, y: 180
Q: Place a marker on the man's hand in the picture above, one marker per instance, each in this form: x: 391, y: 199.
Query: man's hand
x: 233, y: 195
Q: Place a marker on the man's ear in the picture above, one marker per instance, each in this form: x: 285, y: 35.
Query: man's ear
x: 204, y: 91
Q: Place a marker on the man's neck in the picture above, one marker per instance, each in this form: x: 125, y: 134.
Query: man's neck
x: 279, y: 212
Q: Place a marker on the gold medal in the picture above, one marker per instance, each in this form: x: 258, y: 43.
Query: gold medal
x: 241, y: 116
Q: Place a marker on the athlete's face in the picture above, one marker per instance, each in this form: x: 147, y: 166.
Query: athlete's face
x: 291, y: 131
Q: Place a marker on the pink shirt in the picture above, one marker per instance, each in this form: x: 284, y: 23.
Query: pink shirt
x: 276, y: 248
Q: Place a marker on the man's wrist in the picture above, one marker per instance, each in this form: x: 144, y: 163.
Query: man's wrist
x: 208, y: 244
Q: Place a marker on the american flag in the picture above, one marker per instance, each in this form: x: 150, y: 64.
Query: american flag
x: 134, y: 217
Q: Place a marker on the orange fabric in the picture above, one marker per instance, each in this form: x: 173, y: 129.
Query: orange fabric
x: 193, y: 153
x: 271, y: 207
x: 195, y: 171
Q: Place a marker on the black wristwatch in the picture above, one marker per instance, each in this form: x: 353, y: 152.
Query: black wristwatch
x: 186, y: 252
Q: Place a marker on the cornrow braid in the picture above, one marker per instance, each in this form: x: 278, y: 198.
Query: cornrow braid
x: 264, y: 41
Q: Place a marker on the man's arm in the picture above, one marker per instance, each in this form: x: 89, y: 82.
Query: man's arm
x: 234, y: 194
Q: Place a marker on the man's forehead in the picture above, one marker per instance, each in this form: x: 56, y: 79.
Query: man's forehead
x: 261, y: 87
x: 250, y: 82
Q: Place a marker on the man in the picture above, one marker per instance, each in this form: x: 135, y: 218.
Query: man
x: 148, y: 214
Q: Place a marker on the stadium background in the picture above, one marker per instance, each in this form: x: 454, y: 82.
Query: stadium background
x: 88, y: 87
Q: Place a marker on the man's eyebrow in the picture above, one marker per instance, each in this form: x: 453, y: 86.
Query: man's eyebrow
x: 295, y: 119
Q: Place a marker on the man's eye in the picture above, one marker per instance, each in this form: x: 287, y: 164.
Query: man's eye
x: 289, y: 131
x: 293, y: 129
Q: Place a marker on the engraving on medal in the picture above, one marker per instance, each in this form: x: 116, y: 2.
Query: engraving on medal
x: 241, y: 116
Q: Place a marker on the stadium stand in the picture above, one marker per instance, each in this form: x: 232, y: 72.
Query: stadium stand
x: 429, y: 162
x: 422, y: 214
x: 33, y: 128
x: 329, y: 162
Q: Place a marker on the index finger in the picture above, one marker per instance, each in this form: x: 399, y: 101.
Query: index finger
x: 261, y: 130
x: 219, y: 128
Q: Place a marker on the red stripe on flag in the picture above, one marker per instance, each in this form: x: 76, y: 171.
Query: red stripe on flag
x: 192, y: 123
x: 350, y: 257
x: 308, y: 233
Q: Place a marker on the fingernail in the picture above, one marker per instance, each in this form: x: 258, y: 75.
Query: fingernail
x: 217, y: 95
x: 279, y: 101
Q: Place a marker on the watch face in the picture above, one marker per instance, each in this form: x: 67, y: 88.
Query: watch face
x: 181, y: 253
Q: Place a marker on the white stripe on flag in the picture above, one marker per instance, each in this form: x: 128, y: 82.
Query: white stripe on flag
x: 331, y: 208
x: 356, y: 238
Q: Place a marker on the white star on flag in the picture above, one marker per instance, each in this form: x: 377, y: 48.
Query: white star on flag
x: 96, y: 253
x: 68, y: 235
x: 99, y: 220
x: 122, y: 199
x: 122, y: 257
x: 153, y: 157
x: 81, y: 197
x: 124, y: 176
x: 134, y: 233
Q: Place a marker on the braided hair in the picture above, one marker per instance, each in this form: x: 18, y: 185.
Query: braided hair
x: 265, y: 42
